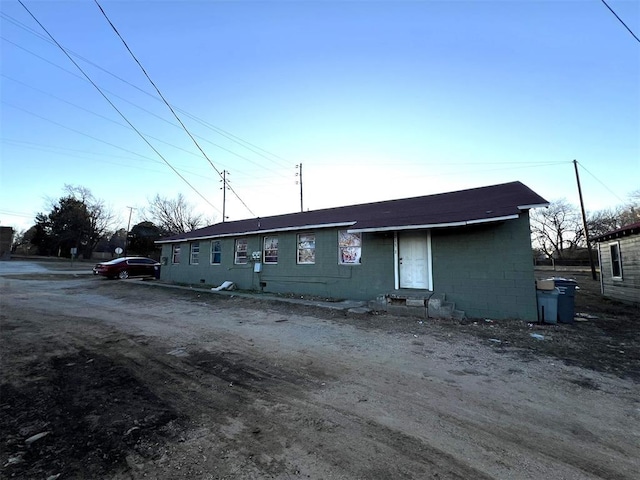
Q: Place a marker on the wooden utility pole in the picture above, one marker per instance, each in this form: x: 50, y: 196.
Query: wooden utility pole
x: 584, y: 223
x: 224, y: 195
x: 299, y: 174
x: 126, y: 240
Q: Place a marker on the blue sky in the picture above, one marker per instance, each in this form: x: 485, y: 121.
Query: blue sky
x: 376, y: 99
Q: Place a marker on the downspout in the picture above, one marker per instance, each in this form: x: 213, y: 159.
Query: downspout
x: 600, y: 263
x: 396, y: 260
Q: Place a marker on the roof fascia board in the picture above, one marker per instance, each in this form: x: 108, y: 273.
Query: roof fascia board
x: 257, y: 232
x: 533, y: 205
x: 398, y: 228
x: 494, y: 219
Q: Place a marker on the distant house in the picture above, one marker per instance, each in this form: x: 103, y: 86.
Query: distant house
x: 6, y: 240
x: 470, y: 248
x: 619, y: 254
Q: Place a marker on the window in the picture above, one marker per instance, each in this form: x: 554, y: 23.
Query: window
x: 270, y: 249
x: 616, y: 260
x: 195, y: 253
x: 216, y: 252
x: 175, y: 258
x: 241, y: 251
x: 141, y: 261
x: 349, y: 247
x: 307, y: 248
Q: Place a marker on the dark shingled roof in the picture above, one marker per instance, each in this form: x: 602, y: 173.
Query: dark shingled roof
x: 627, y: 230
x: 464, y: 207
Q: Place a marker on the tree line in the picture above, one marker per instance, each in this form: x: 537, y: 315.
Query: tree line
x: 557, y: 232
x: 79, y: 222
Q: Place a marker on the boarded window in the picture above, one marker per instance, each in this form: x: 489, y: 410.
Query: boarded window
x: 216, y: 252
x: 270, y: 249
x: 175, y: 257
x: 241, y: 251
x: 349, y: 247
x: 307, y: 248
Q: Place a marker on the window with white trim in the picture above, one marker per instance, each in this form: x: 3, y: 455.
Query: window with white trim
x: 307, y: 248
x: 241, y: 251
x: 175, y: 254
x: 195, y: 253
x: 616, y: 260
x: 270, y: 249
x: 349, y: 248
x: 216, y: 252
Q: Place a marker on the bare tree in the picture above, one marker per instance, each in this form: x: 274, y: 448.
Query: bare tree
x: 556, y: 228
x: 603, y: 221
x: 631, y: 211
x: 173, y: 216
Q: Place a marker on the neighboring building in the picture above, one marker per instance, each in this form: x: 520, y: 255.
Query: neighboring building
x: 619, y: 254
x: 471, y: 247
x: 6, y: 240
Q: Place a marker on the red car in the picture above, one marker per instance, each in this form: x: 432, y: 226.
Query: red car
x: 126, y: 267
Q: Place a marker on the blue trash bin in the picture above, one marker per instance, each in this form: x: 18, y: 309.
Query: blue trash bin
x: 566, y: 299
x: 548, y: 305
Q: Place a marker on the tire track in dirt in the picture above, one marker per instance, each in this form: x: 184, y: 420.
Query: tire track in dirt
x: 225, y: 386
x: 280, y: 407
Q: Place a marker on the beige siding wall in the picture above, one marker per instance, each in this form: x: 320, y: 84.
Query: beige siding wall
x: 628, y: 287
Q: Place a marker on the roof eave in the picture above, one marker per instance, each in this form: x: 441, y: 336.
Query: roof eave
x: 257, y: 232
x: 533, y: 205
x: 397, y: 228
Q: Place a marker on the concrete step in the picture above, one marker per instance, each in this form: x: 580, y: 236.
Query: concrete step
x: 424, y: 305
x: 439, y: 307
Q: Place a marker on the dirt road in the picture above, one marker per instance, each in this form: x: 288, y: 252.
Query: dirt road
x: 124, y: 380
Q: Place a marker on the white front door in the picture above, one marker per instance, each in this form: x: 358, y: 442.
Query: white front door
x: 413, y: 260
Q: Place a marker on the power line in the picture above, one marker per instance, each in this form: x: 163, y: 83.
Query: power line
x: 168, y: 105
x: 16, y: 214
x: 620, y: 20
x: 95, y: 138
x: 82, y: 154
x: 234, y: 138
x: 113, y: 105
x: 132, y: 104
x: 74, y: 130
x: 600, y: 182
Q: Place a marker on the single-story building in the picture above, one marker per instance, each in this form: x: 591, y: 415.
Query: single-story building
x: 6, y: 241
x: 469, y: 248
x: 619, y: 255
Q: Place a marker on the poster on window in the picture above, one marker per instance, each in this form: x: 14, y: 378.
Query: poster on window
x: 350, y: 255
x: 306, y: 249
x: 350, y: 245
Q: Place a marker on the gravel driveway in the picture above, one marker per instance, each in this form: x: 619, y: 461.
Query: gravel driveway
x: 124, y: 380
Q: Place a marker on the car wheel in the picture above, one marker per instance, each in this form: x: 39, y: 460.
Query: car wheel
x: 123, y: 274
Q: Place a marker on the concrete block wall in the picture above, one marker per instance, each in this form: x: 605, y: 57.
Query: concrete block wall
x: 488, y: 270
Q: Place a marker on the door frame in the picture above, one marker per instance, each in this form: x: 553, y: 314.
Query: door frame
x: 396, y: 259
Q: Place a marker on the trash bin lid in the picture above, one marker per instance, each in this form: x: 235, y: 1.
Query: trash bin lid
x: 563, y: 281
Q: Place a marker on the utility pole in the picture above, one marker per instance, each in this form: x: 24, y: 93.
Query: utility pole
x: 126, y: 241
x: 224, y: 195
x: 299, y: 174
x: 584, y: 223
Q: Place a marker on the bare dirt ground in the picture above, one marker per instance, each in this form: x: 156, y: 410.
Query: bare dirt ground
x: 130, y: 380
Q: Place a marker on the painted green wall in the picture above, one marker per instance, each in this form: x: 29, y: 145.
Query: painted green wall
x: 487, y: 270
x: 324, y: 278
